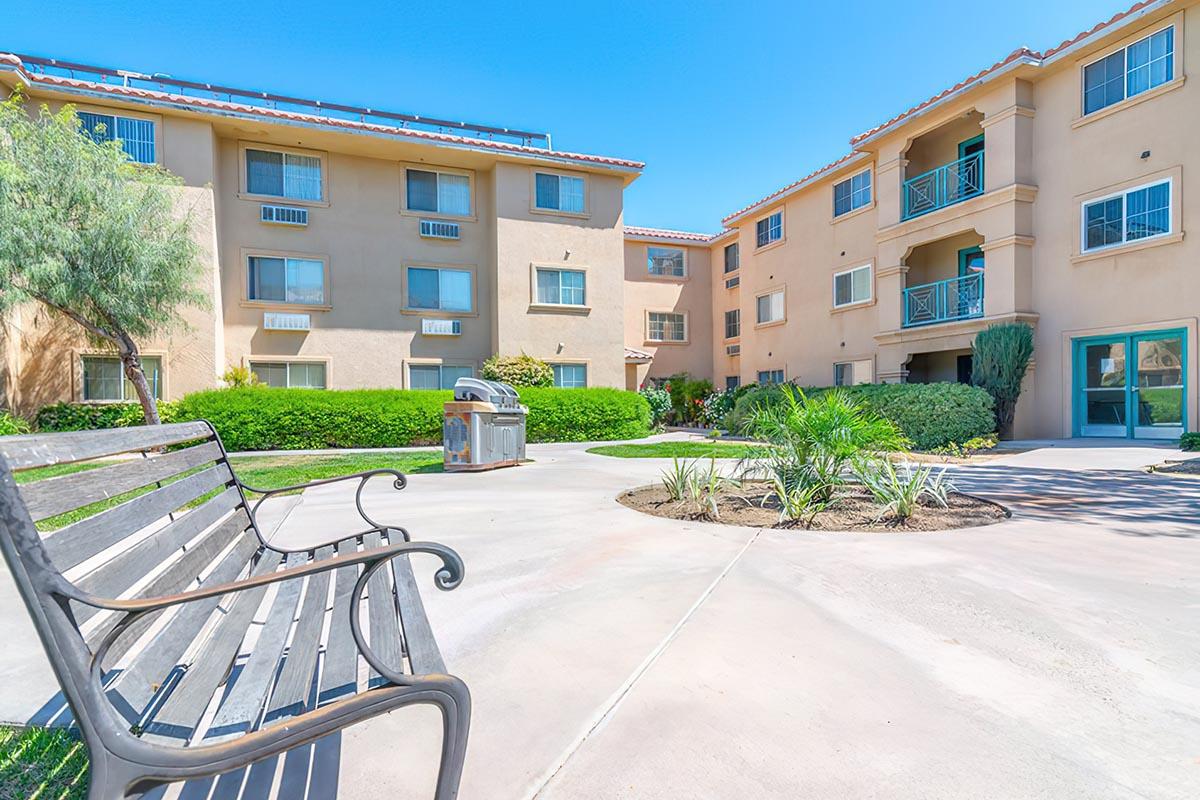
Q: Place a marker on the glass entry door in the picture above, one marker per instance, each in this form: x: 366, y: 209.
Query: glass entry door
x: 1131, y: 386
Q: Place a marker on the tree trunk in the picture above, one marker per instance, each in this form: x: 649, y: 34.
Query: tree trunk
x: 132, y: 363
x: 1005, y: 412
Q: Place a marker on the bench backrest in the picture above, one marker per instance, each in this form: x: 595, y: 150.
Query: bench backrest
x: 179, y: 519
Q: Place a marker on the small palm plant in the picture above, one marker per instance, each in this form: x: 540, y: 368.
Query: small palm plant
x: 899, y: 489
x: 799, y: 503
x: 678, y: 478
x: 704, y: 490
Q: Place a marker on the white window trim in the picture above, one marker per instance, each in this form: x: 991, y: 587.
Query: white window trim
x: 247, y: 301
x: 405, y: 308
x: 1175, y: 72
x: 853, y: 364
x: 725, y: 325
x: 409, y: 363
x: 243, y: 176
x: 587, y: 377
x: 686, y: 326
x: 534, y: 208
x: 870, y: 285
x: 1126, y: 242
x: 782, y: 230
x: 736, y: 270
x: 289, y: 360
x: 782, y: 320
x: 161, y: 355
x: 850, y: 179
x: 667, y: 276
x: 471, y: 216
x: 153, y: 119
x: 535, y: 302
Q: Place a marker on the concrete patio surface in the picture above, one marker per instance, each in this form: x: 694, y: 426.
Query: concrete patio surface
x: 612, y: 654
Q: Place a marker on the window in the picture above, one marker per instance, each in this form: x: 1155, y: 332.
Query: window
x: 734, y: 282
x: 665, y: 261
x: 558, y: 193
x: 104, y: 378
x: 850, y: 373
x: 435, y: 376
x: 290, y: 374
x: 852, y: 286
x: 733, y: 323
x: 570, y: 376
x: 664, y: 327
x: 438, y: 192
x: 1130, y: 71
x: 278, y: 174
x: 1134, y: 214
x: 275, y: 279
x: 852, y: 193
x: 769, y: 229
x: 136, y: 135
x: 766, y: 377
x: 560, y: 287
x: 437, y: 289
x: 770, y: 307
x: 732, y: 261
x: 732, y: 382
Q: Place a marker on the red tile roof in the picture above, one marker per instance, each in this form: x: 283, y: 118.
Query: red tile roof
x: 664, y: 233
x: 312, y: 119
x: 635, y: 355
x: 789, y: 187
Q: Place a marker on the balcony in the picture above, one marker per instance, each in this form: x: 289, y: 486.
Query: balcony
x: 944, y: 186
x: 944, y: 301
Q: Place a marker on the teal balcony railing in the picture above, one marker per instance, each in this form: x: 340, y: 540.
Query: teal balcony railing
x: 943, y: 301
x: 944, y: 186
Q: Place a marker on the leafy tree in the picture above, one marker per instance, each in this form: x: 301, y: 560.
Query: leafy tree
x: 1000, y: 358
x: 91, y: 235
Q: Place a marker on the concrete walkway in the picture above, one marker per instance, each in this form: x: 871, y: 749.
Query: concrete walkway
x: 617, y: 655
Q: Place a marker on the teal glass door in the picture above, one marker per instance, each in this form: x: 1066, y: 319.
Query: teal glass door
x: 1131, y: 386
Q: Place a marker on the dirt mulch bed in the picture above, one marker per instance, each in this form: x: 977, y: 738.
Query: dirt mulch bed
x: 755, y: 506
x: 1190, y: 467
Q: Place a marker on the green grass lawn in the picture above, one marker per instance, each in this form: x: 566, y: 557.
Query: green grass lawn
x: 42, y: 764
x: 261, y: 472
x: 674, y: 450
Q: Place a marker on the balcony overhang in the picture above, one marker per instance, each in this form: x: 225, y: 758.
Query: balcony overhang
x: 939, y: 334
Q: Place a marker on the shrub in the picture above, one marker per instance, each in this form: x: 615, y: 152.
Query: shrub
x: 660, y: 405
x: 92, y: 416
x: 585, y: 415
x: 237, y: 377
x: 1190, y: 441
x: 687, y: 398
x: 10, y: 425
x: 519, y: 370
x: 930, y: 415
x: 900, y: 489
x: 999, y: 358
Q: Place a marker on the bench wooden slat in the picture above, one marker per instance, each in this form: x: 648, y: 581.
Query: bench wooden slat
x: 67, y: 492
x: 384, y: 623
x: 176, y: 718
x: 291, y: 694
x: 79, y: 541
x: 423, y: 652
x: 45, y: 449
x: 339, y: 672
x: 240, y: 708
x: 133, y: 689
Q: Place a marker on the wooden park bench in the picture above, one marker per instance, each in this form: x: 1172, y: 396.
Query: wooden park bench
x: 185, y: 642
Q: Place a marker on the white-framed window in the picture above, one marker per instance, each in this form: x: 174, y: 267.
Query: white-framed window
x: 437, y: 192
x: 668, y: 261
x: 852, y: 193
x: 290, y: 374
x: 769, y: 229
x: 570, y: 376
x: 135, y: 135
x: 852, y: 373
x: 732, y: 258
x: 566, y: 287
x: 439, y: 289
x: 558, y: 192
x: 733, y: 323
x: 436, y: 376
x: 768, y: 377
x: 852, y: 286
x: 1127, y: 216
x: 104, y: 379
x: 769, y: 307
x: 664, y: 326
x: 1141, y: 66
x: 275, y: 173
x: 282, y: 279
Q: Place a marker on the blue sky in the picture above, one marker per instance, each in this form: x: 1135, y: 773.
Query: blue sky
x: 724, y: 102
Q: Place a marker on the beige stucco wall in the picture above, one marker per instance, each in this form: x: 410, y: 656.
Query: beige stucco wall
x: 690, y: 295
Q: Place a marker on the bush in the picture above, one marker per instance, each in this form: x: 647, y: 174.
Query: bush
x: 1000, y: 357
x: 91, y: 416
x: 660, y: 405
x: 10, y: 425
x: 1190, y: 441
x: 237, y: 377
x: 931, y: 415
x: 687, y: 398
x: 519, y: 370
x: 585, y: 415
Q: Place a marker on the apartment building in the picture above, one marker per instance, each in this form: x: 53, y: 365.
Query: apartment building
x: 1050, y: 188
x: 343, y: 247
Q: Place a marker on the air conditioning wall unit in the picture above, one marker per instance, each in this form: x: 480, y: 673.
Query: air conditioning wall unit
x: 733, y: 350
x: 732, y: 282
x: 279, y: 321
x: 437, y: 229
x: 441, y: 327
x: 284, y: 215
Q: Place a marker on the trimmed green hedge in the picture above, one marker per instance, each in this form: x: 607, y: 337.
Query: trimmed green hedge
x: 258, y: 418
x: 932, y: 415
x: 1190, y: 441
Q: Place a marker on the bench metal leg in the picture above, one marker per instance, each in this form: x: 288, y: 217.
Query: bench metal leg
x: 454, y: 699
x: 110, y: 778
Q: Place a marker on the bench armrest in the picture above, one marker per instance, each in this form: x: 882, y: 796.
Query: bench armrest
x: 398, y: 482
x: 448, y: 577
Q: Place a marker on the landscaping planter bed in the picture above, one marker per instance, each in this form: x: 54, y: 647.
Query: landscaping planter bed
x: 754, y: 505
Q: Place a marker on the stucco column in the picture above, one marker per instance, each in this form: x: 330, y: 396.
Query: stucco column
x: 889, y: 175
x: 1008, y: 139
x: 891, y: 364
x: 1008, y: 275
x: 889, y: 283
